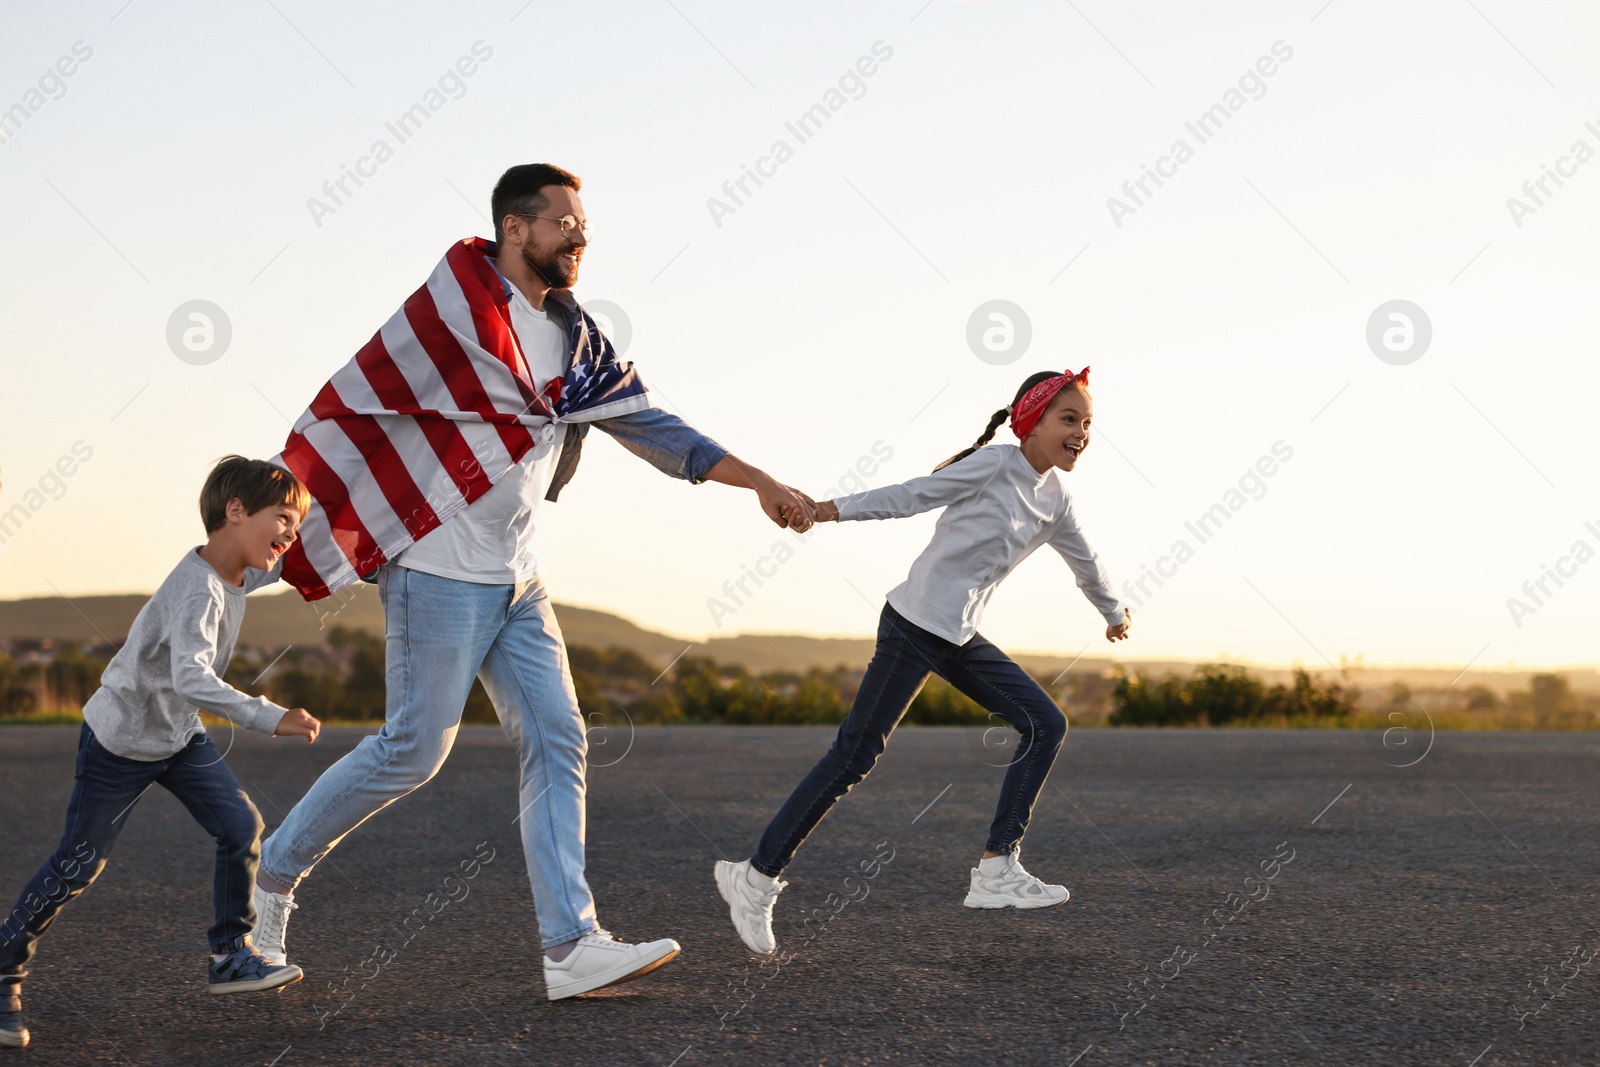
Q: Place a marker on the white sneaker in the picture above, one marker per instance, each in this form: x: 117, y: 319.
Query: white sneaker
x: 272, y: 924
x: 1013, y: 887
x: 601, y: 960
x: 749, y: 903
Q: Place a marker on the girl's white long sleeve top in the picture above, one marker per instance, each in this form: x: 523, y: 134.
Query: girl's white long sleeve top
x: 998, y: 509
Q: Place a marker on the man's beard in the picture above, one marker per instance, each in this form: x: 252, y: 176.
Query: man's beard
x: 550, y: 269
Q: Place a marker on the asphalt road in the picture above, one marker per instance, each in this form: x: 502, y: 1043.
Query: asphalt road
x: 1410, y: 913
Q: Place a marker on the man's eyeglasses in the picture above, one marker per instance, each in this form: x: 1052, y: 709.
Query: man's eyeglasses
x: 568, y: 222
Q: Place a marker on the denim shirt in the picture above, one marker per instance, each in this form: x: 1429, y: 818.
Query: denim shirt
x: 658, y: 437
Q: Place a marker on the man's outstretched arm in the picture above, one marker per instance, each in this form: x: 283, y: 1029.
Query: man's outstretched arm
x: 677, y: 449
x: 783, y: 505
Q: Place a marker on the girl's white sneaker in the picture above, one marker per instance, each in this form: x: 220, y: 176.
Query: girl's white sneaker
x: 1012, y: 887
x: 750, y: 896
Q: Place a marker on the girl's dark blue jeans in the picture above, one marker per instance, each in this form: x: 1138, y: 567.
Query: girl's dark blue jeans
x: 905, y: 655
x: 106, y: 789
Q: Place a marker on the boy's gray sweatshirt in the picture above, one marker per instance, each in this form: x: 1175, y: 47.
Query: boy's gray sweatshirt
x: 171, y: 666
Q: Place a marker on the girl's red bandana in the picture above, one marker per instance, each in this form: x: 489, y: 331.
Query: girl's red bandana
x: 1026, y: 413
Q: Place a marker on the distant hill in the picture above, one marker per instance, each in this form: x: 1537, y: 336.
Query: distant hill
x: 273, y: 619
x: 787, y: 652
x: 285, y: 619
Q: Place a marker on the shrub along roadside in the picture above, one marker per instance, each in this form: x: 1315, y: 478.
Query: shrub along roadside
x: 1222, y: 694
x: 343, y: 681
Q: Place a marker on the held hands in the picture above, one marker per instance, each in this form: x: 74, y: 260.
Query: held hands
x: 298, y: 723
x: 787, y: 506
x: 783, y: 504
x: 826, y: 511
x: 1119, y: 632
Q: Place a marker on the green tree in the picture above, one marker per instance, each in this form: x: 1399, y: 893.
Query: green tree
x: 938, y: 703
x: 1220, y: 694
x: 1552, y: 703
x: 16, y: 696
x: 614, y: 662
x: 362, y: 692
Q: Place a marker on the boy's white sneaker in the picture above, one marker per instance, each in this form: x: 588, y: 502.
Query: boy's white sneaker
x: 601, y: 960
x: 1009, y: 885
x: 272, y: 924
x: 750, y: 896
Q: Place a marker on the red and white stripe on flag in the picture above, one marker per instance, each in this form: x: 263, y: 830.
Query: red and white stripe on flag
x: 424, y: 420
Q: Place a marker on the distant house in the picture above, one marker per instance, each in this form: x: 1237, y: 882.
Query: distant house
x: 32, y: 651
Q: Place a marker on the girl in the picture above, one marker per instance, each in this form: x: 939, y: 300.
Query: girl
x: 1001, y: 502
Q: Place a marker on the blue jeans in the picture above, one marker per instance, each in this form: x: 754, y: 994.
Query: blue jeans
x: 107, y: 788
x: 904, y: 657
x: 440, y: 634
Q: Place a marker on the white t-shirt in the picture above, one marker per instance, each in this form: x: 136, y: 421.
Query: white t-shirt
x: 997, y: 510
x: 493, y: 541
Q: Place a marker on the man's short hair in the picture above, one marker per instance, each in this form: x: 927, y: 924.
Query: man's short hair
x: 256, y: 483
x: 517, y: 191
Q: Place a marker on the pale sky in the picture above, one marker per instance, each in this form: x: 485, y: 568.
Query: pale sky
x: 829, y: 310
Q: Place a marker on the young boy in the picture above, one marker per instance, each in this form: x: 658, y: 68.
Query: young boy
x: 141, y: 728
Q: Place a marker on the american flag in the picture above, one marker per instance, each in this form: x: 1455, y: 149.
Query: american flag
x: 432, y: 411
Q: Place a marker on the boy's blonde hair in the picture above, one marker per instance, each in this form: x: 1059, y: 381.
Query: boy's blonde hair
x: 255, y: 483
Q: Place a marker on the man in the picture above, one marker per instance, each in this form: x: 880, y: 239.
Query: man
x: 462, y: 595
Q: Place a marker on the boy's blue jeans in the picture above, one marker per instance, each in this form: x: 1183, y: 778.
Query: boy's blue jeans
x: 107, y: 788
x: 442, y: 632
x: 904, y: 657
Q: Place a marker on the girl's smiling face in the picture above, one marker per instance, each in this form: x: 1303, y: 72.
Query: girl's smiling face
x: 1062, y: 432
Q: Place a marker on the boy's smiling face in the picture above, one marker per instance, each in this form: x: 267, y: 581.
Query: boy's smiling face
x: 1062, y: 432
x: 264, y: 537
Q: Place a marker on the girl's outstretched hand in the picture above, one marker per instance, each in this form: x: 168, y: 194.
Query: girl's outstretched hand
x: 1119, y: 632
x: 825, y: 511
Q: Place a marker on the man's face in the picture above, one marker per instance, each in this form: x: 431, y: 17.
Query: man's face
x: 549, y: 253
